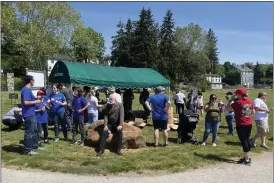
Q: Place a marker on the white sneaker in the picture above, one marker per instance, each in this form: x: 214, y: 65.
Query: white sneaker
x: 56, y: 140
x: 214, y: 144
x: 32, y: 153
x: 203, y: 144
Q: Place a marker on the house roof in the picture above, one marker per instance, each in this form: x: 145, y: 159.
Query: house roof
x: 213, y: 75
x: 243, y: 68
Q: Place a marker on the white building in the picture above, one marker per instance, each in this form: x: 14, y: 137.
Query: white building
x: 215, y: 80
x: 247, y: 76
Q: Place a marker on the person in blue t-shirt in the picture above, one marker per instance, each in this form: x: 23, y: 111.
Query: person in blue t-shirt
x: 42, y: 115
x: 160, y: 105
x: 58, y: 101
x: 79, y: 104
x: 28, y: 103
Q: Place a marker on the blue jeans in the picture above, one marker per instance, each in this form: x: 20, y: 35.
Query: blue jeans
x: 92, y: 117
x: 56, y: 117
x: 211, y: 127
x: 229, y: 120
x: 31, y: 134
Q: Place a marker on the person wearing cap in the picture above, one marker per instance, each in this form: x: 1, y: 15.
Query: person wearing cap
x: 28, y: 103
x: 261, y: 119
x: 243, y: 109
x: 160, y: 105
x: 118, y: 97
x: 229, y: 115
x: 42, y: 116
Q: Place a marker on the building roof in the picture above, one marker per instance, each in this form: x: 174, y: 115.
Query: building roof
x: 213, y: 75
x: 243, y: 68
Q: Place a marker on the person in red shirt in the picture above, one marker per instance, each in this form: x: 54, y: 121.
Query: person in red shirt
x: 243, y: 109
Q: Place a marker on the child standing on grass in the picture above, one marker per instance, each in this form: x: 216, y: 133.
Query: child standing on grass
x: 42, y: 116
x: 79, y: 104
x: 200, y: 103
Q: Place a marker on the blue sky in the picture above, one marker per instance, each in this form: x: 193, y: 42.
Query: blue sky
x: 244, y: 29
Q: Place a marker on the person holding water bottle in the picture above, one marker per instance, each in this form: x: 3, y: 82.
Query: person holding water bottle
x: 42, y: 116
x: 58, y: 101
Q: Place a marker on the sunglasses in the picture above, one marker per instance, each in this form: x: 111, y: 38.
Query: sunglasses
x: 213, y: 98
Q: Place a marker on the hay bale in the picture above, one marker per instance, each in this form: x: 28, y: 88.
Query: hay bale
x: 132, y: 136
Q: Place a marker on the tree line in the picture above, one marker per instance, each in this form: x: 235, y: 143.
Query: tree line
x: 33, y: 31
x: 181, y: 54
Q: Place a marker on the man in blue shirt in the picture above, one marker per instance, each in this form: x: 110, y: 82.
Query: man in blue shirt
x: 160, y: 105
x: 28, y: 103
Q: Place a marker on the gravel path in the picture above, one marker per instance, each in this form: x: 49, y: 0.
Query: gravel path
x: 261, y: 171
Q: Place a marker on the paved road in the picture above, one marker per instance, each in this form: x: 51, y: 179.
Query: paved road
x: 261, y: 171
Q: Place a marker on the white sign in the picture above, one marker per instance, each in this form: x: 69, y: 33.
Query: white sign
x: 10, y: 81
x: 39, y: 78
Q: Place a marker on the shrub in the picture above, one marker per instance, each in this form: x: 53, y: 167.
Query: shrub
x: 204, y: 85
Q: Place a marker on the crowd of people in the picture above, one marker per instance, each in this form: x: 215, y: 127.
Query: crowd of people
x: 238, y: 108
x: 68, y: 107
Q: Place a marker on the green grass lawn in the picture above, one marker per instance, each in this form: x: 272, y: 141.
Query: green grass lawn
x: 67, y: 158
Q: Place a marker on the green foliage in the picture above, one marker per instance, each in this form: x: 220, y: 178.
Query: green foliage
x: 204, y: 85
x: 87, y: 44
x: 191, y: 45
x: 18, y: 83
x: 233, y: 77
x: 31, y: 31
x: 212, y: 50
x: 168, y: 64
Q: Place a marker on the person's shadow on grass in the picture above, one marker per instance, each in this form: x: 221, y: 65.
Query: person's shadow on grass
x: 13, y: 148
x: 232, y: 143
x: 214, y: 157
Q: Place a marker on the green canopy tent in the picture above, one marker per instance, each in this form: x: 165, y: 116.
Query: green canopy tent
x: 106, y: 76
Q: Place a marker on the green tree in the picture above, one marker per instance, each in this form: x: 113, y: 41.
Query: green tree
x: 233, y: 77
x: 118, y: 46
x: 87, y: 44
x: 44, y: 28
x: 10, y: 54
x: 191, y: 45
x: 168, y: 65
x: 212, y: 50
x: 144, y: 52
x: 227, y: 67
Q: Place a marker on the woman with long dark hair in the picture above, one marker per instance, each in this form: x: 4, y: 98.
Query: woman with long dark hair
x: 58, y: 101
x: 212, y: 119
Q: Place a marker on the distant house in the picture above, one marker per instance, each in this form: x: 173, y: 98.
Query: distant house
x: 215, y: 80
x: 247, y: 75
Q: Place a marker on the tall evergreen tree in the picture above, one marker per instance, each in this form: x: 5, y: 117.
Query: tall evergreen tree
x: 212, y: 50
x: 168, y: 65
x: 144, y: 49
x: 118, y: 46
